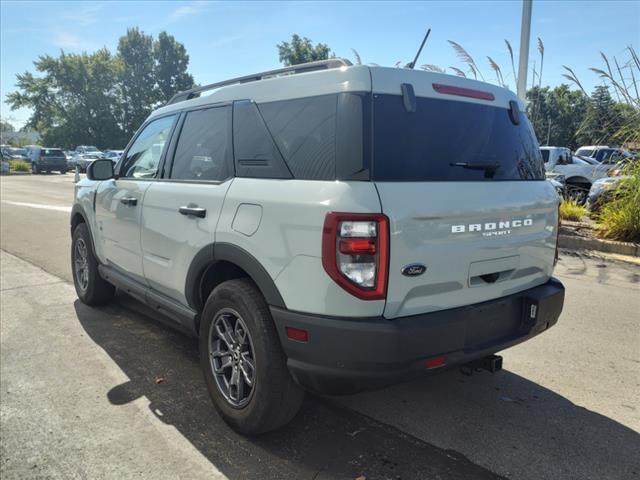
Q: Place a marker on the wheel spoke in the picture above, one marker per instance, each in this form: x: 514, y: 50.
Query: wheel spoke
x: 224, y: 331
x: 240, y: 332
x: 225, y: 360
x: 247, y: 372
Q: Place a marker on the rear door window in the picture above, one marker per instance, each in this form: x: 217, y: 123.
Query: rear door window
x: 442, y: 137
x: 204, y: 147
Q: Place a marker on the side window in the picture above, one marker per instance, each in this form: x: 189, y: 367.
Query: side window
x: 143, y: 157
x: 305, y: 131
x: 204, y: 147
x: 255, y: 153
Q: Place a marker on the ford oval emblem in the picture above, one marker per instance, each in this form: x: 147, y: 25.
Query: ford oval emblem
x: 413, y: 270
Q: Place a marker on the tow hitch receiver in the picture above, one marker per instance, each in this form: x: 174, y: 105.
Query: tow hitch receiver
x: 491, y: 363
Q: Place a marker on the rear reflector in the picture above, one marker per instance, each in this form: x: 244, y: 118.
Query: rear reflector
x: 297, y: 334
x: 463, y: 92
x: 435, y: 362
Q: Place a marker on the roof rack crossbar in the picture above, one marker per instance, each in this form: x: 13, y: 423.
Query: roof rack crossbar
x: 293, y: 69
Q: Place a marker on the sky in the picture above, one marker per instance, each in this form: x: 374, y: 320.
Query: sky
x: 228, y: 39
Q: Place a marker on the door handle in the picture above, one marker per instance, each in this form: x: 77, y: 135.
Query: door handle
x: 131, y: 201
x: 193, y: 211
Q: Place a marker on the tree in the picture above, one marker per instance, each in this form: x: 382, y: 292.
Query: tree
x: 73, y: 102
x: 602, y: 120
x: 171, y: 61
x: 138, y: 94
x: 559, y: 113
x: 301, y: 50
x: 99, y: 98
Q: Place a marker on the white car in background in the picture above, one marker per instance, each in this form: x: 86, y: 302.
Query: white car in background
x: 577, y: 173
x: 113, y: 155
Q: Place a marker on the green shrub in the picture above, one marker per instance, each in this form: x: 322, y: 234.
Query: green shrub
x: 570, y: 210
x: 19, y: 166
x: 620, y: 219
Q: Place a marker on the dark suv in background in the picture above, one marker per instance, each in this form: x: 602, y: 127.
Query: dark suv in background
x: 47, y: 160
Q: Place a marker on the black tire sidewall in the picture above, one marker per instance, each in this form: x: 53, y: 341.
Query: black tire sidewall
x: 271, y: 369
x: 98, y: 291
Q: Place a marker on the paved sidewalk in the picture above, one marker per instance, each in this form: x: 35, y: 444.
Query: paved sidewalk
x: 57, y: 421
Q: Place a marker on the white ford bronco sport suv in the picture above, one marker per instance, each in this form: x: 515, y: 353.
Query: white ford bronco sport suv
x: 327, y: 227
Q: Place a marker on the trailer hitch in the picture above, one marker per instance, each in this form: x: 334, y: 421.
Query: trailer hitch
x: 491, y: 363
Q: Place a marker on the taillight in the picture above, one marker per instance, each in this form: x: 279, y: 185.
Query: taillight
x: 355, y: 252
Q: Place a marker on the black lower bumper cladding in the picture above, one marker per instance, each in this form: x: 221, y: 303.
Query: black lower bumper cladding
x: 346, y: 355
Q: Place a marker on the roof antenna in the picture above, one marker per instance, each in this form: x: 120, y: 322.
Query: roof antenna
x: 413, y: 64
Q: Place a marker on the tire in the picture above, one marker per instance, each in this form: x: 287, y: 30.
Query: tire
x: 91, y: 288
x: 274, y: 398
x: 63, y: 172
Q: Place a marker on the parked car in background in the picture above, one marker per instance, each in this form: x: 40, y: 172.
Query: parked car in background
x: 603, y: 153
x: 13, y: 153
x: 578, y: 172
x: 47, y: 160
x: 88, y: 149
x: 84, y: 155
x: 113, y: 155
x: 83, y: 160
x: 603, y: 191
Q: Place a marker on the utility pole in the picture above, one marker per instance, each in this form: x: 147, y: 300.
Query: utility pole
x: 525, y: 33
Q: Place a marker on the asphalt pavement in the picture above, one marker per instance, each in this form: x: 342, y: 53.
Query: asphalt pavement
x: 114, y: 393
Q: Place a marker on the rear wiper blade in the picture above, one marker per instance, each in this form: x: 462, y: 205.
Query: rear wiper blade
x: 477, y: 165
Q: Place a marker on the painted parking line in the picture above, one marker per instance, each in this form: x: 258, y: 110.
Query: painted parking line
x: 56, y: 208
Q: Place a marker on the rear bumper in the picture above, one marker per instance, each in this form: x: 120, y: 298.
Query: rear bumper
x: 345, y: 355
x: 52, y: 164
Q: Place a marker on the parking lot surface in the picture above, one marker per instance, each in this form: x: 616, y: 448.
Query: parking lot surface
x: 114, y: 393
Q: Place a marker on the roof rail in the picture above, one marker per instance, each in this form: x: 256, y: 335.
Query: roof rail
x: 292, y: 70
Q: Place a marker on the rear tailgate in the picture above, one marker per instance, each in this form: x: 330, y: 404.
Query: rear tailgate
x: 479, y: 241
x: 462, y: 183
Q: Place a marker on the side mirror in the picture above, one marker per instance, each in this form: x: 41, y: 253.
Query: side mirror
x: 100, y: 169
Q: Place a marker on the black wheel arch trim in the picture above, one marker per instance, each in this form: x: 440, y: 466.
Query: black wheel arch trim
x: 77, y: 209
x: 216, y: 252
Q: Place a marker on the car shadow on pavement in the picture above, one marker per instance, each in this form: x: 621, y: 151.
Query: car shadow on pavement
x: 325, y: 440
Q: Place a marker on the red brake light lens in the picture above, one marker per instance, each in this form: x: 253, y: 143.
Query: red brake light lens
x: 463, y: 92
x: 355, y: 253
x: 358, y: 246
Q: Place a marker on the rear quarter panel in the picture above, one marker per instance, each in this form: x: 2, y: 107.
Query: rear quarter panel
x: 288, y: 238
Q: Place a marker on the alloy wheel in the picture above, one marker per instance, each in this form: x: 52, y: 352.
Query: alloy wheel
x: 231, y: 356
x: 81, y: 264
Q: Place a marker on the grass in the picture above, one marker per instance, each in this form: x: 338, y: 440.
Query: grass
x: 620, y: 218
x: 570, y: 210
x: 19, y: 166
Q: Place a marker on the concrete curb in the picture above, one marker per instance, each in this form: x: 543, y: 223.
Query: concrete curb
x: 579, y: 243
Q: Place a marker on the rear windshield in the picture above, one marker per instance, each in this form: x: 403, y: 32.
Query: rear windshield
x: 51, y: 152
x: 426, y: 145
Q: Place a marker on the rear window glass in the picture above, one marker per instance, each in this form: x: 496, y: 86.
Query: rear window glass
x: 305, y: 132
x: 51, y: 152
x: 426, y: 145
